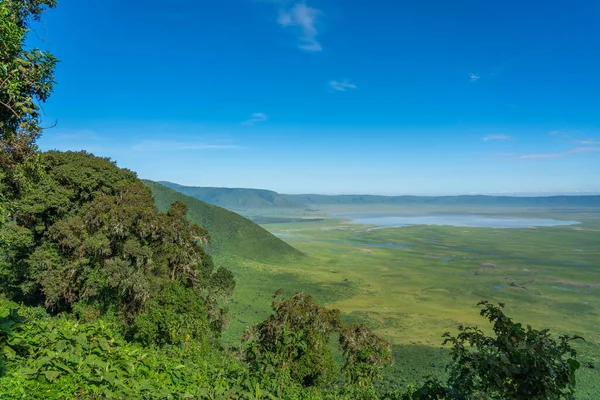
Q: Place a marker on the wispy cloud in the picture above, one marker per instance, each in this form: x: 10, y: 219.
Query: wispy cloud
x: 164, y: 146
x: 497, y: 137
x: 303, y: 19
x: 561, y: 154
x: 559, y: 133
x: 588, y: 142
x: 342, y: 86
x: 494, y: 72
x: 256, y: 118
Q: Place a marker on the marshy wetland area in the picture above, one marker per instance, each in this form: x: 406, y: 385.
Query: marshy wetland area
x: 412, y: 283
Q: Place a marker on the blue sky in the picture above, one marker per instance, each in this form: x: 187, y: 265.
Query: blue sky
x: 333, y: 96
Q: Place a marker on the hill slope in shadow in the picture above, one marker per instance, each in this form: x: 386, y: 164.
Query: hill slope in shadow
x: 231, y: 234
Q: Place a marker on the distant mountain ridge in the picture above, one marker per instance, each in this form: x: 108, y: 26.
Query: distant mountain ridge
x: 316, y: 199
x: 235, y: 198
x: 240, y: 199
x: 231, y: 234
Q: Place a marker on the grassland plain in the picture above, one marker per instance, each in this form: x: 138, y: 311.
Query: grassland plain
x: 412, y: 284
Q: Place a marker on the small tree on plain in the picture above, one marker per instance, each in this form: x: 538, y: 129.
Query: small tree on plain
x: 517, y: 362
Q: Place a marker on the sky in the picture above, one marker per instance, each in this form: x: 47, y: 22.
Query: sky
x: 332, y: 96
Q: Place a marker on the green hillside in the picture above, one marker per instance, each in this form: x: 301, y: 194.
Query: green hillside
x: 231, y: 233
x: 235, y: 198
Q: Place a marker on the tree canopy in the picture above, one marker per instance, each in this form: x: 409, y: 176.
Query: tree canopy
x: 294, y: 344
x: 89, y: 232
x: 516, y: 363
x: 26, y: 81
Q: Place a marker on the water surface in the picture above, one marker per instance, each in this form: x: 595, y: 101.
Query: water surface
x: 462, y: 220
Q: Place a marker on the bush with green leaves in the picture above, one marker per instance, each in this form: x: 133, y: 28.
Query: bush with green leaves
x: 517, y: 362
x: 174, y: 316
x: 63, y: 358
x: 366, y: 354
x: 293, y: 346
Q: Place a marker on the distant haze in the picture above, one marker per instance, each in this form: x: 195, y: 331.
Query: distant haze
x: 244, y: 198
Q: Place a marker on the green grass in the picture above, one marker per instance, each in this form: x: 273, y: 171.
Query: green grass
x: 437, y: 282
x: 413, y: 295
x: 230, y: 233
x: 548, y: 278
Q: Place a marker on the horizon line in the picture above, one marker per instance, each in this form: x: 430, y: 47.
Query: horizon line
x: 489, y: 194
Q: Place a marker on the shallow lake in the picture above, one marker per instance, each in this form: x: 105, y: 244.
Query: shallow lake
x: 463, y: 220
x: 280, y: 234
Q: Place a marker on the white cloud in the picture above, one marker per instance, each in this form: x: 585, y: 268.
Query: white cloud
x: 163, y: 145
x: 304, y: 20
x: 587, y: 142
x: 568, y: 153
x: 342, y: 86
x: 474, y: 77
x: 497, y: 137
x: 256, y: 118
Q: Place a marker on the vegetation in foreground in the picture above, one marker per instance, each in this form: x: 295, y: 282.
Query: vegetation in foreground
x: 106, y: 297
x: 286, y: 356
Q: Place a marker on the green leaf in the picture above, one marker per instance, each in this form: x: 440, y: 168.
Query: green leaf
x: 65, y: 368
x: 28, y: 371
x: 110, y: 377
x: 104, y: 344
x: 51, y: 375
x: 9, y: 353
x: 573, y: 364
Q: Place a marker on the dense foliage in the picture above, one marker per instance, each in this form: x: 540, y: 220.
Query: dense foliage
x: 294, y: 344
x: 65, y: 357
x: 515, y: 363
x: 61, y: 357
x: 88, y: 232
x: 26, y: 80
